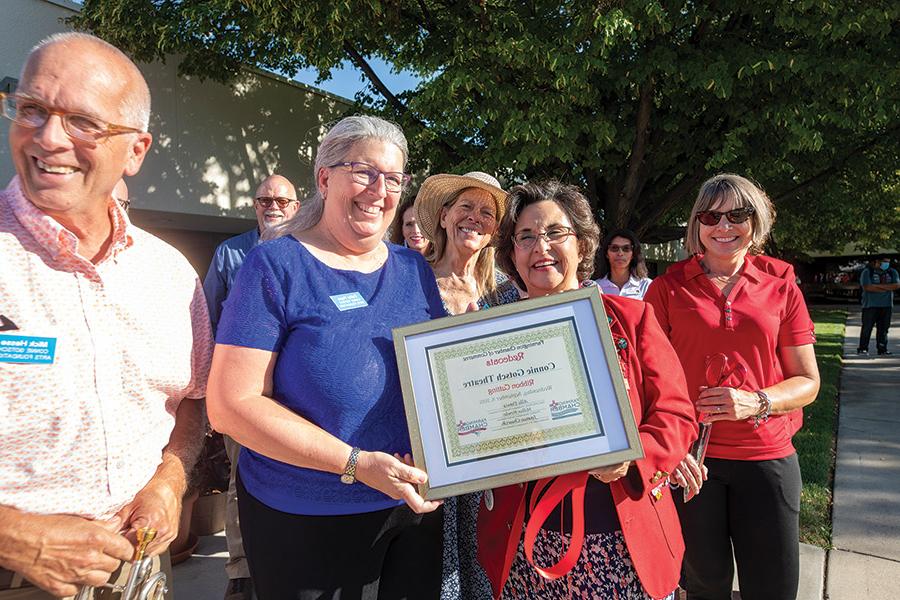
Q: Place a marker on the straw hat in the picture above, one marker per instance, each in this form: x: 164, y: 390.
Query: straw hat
x: 437, y: 189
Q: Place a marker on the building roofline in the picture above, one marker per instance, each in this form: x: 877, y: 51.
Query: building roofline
x: 75, y: 8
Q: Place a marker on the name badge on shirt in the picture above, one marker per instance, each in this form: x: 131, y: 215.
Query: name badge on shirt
x: 27, y: 349
x: 349, y: 301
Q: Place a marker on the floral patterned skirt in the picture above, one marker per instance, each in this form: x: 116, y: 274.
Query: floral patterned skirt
x: 604, y: 571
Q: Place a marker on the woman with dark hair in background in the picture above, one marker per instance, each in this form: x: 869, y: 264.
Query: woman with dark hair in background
x: 745, y: 341
x: 405, y: 230
x: 622, y: 265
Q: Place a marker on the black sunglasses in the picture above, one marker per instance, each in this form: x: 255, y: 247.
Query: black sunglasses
x: 711, y: 218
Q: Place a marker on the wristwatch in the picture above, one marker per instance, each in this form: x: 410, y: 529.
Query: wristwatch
x: 349, y: 474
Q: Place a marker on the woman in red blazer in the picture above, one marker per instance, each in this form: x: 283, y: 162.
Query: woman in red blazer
x: 632, y: 544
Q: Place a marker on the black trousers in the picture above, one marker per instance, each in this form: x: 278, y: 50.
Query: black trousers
x: 390, y: 554
x: 753, y: 507
x: 880, y: 318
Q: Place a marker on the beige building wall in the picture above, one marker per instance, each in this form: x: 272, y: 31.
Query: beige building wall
x: 212, y: 143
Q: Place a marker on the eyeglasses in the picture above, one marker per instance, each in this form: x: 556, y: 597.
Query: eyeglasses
x: 526, y: 240
x: 624, y: 248
x: 268, y: 201
x: 366, y: 174
x: 30, y: 113
x: 711, y: 218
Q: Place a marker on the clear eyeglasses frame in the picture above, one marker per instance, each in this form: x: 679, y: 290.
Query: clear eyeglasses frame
x: 525, y: 240
x: 33, y: 114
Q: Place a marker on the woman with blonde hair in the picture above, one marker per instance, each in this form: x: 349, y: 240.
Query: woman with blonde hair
x: 745, y: 341
x: 459, y: 215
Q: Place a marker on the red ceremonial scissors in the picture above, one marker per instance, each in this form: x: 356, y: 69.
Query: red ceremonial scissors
x: 720, y: 371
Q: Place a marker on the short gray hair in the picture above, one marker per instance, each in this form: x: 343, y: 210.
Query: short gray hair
x: 136, y: 104
x: 333, y: 149
x: 743, y: 193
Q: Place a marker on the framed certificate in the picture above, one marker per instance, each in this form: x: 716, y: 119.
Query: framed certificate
x: 515, y: 393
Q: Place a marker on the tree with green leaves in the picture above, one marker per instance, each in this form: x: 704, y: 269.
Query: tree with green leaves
x: 636, y: 101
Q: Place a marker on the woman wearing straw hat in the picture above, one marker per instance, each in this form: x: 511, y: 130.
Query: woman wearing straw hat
x: 459, y: 215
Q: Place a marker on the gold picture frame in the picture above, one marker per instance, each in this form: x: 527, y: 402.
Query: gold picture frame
x: 516, y: 393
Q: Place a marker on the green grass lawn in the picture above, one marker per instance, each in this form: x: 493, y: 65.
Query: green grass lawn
x: 815, y: 442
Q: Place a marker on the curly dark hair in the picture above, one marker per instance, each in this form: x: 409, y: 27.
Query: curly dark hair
x: 572, y: 202
x: 637, y: 266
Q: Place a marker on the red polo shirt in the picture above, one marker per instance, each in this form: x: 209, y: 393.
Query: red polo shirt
x: 762, y: 314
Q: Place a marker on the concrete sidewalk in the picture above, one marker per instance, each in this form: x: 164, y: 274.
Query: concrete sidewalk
x: 865, y: 561
x: 202, y: 577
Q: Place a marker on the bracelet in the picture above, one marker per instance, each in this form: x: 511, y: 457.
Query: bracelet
x: 765, y: 409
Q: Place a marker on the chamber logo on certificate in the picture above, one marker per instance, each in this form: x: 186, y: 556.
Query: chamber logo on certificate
x: 513, y: 392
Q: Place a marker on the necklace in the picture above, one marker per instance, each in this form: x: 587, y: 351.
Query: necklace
x: 725, y: 278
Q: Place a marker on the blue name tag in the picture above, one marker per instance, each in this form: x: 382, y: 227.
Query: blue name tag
x: 27, y: 349
x: 348, y: 301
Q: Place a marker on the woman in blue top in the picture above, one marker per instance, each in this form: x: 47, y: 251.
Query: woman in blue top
x: 305, y: 378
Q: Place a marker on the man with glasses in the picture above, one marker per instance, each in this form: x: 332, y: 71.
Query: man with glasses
x: 105, y: 342
x: 275, y: 202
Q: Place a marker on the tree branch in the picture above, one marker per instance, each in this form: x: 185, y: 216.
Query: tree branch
x: 661, y: 207
x: 593, y: 195
x: 426, y: 14
x: 834, y: 167
x: 393, y: 100
x: 638, y: 151
x: 364, y: 66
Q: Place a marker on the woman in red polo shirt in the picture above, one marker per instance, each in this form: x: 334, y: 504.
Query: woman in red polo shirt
x: 632, y: 544
x: 720, y: 310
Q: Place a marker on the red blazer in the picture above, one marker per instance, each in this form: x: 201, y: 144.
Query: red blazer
x: 667, y: 427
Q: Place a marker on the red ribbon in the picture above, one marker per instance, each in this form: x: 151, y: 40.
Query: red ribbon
x: 540, y: 508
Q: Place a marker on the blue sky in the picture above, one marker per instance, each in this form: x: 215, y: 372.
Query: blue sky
x: 347, y: 80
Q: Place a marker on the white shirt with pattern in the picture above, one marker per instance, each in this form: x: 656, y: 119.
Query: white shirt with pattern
x: 84, y: 434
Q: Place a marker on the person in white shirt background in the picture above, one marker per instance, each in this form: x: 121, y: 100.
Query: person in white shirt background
x: 622, y: 265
